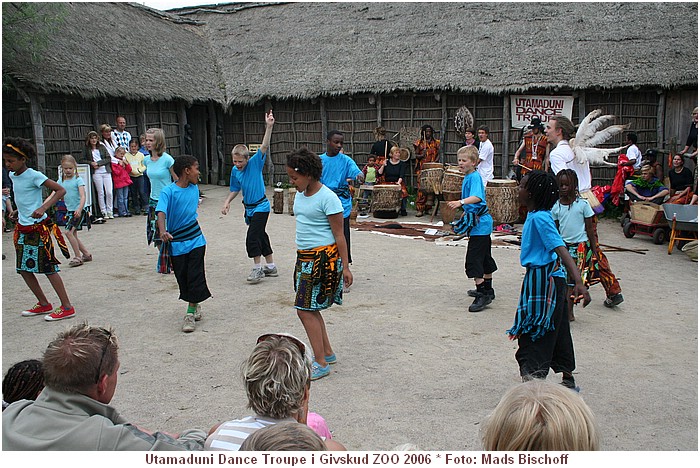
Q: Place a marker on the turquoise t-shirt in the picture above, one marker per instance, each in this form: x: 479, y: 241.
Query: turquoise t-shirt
x: 472, y: 185
x: 311, y: 213
x: 336, y: 172
x: 180, y: 208
x: 28, y: 194
x: 572, y: 220
x: 72, y: 196
x: 540, y: 238
x: 250, y: 182
x: 158, y: 173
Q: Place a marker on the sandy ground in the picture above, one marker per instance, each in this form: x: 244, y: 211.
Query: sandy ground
x: 413, y: 364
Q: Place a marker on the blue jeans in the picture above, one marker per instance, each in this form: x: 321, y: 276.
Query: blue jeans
x: 137, y: 192
x: 122, y: 200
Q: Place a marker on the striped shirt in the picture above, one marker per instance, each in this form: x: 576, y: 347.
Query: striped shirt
x: 231, y: 434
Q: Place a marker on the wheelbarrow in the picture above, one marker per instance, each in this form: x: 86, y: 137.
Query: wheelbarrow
x: 683, y: 220
x: 647, y: 219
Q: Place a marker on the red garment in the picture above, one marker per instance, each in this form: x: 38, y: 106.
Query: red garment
x: 618, y: 185
x: 120, y: 175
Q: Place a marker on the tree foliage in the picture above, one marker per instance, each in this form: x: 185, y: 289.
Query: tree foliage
x: 26, y: 31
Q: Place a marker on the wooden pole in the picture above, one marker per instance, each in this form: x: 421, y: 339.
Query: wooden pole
x: 505, y: 153
x: 213, y: 143
x: 324, y: 121
x: 443, y: 127
x: 38, y: 131
x: 660, y: 118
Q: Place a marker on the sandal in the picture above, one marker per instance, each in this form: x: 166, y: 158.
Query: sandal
x: 75, y: 262
x: 87, y: 258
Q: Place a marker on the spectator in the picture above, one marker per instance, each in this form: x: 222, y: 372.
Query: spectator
x: 23, y: 381
x: 119, y: 135
x: 540, y: 416
x: 646, y: 187
x: 284, y: 437
x: 681, y: 181
x: 81, y: 368
x: 634, y: 156
x: 277, y: 378
x: 485, y: 164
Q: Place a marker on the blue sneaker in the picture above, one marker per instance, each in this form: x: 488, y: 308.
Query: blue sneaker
x: 318, y: 372
x: 331, y: 359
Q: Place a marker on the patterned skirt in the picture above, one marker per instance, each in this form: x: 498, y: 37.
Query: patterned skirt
x: 34, y: 247
x: 586, y: 262
x: 318, y: 278
x: 77, y: 223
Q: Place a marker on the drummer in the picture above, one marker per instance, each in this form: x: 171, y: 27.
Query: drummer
x: 394, y: 172
x: 427, y: 150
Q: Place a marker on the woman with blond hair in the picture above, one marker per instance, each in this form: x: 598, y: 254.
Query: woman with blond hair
x: 159, y: 169
x: 540, y: 416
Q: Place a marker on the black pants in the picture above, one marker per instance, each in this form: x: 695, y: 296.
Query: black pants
x: 346, y: 231
x: 189, y: 272
x: 555, y: 349
x: 257, y: 242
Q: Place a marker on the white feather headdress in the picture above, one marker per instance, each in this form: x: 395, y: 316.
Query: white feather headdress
x: 591, y: 134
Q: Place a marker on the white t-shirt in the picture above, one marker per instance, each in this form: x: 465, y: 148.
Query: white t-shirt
x: 634, y: 153
x: 97, y: 157
x: 485, y: 167
x: 560, y: 156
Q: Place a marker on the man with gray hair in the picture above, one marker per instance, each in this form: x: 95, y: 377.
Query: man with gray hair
x: 72, y: 412
x: 277, y: 378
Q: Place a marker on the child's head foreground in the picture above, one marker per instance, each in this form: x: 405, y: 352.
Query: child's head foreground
x: 284, y: 437
x: 538, y: 191
x: 467, y: 157
x: 23, y: 381
x: 540, y: 416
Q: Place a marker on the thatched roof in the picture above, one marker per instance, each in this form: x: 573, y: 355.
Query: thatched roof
x: 304, y: 50
x: 122, y: 50
x: 245, y: 52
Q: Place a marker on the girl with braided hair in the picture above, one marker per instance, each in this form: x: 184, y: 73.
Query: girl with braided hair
x: 23, y: 381
x: 541, y: 325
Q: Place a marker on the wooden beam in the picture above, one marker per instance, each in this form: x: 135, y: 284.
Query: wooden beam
x: 660, y: 118
x: 216, y: 143
x: 95, y: 112
x: 378, y: 101
x: 443, y: 127
x: 582, y: 106
x: 324, y: 121
x: 182, y: 120
x: 505, y: 154
x: 141, y: 118
x: 38, y: 131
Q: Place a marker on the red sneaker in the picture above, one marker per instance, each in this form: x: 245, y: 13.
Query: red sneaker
x: 60, y: 314
x: 38, y: 309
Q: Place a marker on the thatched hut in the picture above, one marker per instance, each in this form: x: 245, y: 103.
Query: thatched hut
x: 354, y: 66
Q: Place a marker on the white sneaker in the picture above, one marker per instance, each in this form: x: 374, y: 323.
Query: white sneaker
x: 256, y: 275
x: 188, y: 323
x: 270, y: 271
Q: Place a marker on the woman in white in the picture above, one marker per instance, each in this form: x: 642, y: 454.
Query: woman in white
x: 96, y: 155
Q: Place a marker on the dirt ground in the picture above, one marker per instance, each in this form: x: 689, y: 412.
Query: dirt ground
x: 413, y: 364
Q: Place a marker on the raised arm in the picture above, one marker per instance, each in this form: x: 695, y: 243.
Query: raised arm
x: 269, y: 123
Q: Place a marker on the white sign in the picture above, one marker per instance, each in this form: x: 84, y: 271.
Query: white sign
x: 524, y: 108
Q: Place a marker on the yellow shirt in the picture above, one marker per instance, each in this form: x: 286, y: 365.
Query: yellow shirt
x: 136, y: 163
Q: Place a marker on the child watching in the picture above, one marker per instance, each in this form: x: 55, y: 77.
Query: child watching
x: 121, y: 181
x: 477, y: 223
x: 137, y: 189
x: 34, y: 228
x: 540, y: 416
x: 182, y: 238
x: 370, y: 173
x: 76, y: 215
x: 247, y: 177
x: 541, y: 326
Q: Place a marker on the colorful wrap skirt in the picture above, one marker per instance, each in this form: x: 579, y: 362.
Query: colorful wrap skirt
x: 538, y: 299
x: 586, y: 262
x: 318, y: 278
x: 34, y: 247
x: 77, y: 223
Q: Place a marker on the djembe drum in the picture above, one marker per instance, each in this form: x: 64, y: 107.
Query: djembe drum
x: 502, y: 200
x: 278, y: 201
x: 290, y: 200
x: 452, y: 184
x: 386, y: 200
x: 431, y: 178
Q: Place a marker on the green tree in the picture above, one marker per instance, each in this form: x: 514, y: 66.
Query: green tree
x: 26, y: 32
